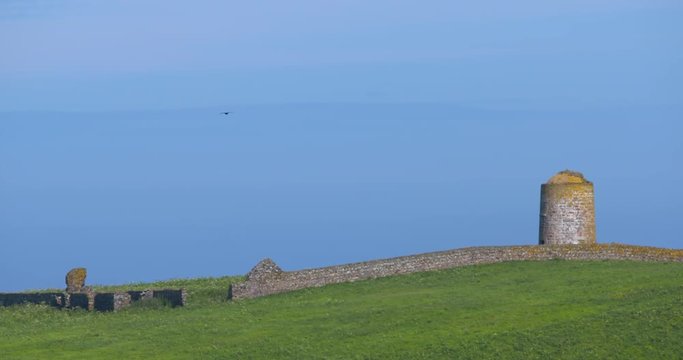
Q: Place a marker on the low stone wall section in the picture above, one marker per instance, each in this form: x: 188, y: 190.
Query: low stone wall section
x: 95, y: 301
x: 79, y: 301
x: 137, y: 295
x: 172, y: 298
x: 111, y: 301
x: 267, y: 278
x: 52, y: 299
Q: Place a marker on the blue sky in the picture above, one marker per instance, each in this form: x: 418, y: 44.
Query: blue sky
x: 153, y: 54
x: 361, y: 130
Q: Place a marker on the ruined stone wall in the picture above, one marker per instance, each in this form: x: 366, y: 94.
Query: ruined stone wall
x: 96, y: 301
x: 171, y: 297
x: 52, y: 299
x: 79, y: 300
x: 112, y: 301
x: 267, y: 278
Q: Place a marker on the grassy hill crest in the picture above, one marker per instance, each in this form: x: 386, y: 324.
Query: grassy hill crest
x: 549, y: 309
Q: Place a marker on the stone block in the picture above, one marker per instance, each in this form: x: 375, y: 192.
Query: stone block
x: 75, y: 280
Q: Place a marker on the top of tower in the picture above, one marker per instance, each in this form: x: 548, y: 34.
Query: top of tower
x: 568, y: 177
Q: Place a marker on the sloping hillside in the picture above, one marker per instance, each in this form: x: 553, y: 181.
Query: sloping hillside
x: 550, y: 309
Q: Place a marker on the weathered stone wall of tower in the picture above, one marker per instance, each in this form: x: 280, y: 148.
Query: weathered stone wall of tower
x: 567, y: 210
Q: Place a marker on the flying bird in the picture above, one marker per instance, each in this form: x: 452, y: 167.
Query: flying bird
x: 226, y: 112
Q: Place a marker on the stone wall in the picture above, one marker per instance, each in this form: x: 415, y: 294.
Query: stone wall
x: 79, y: 301
x: 172, y: 298
x: 52, y: 299
x: 267, y: 278
x: 137, y: 295
x: 95, y: 301
x: 111, y: 301
x: 567, y: 210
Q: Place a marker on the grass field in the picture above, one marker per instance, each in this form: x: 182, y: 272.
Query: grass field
x: 516, y: 310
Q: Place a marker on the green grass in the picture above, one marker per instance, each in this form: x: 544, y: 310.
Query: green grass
x: 516, y: 310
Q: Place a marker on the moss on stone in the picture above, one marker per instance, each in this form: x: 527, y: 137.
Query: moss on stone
x: 568, y: 177
x: 75, y: 279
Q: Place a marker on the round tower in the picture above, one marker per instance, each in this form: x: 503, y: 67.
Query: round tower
x: 567, y: 210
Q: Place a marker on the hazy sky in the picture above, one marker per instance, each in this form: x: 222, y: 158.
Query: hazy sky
x: 142, y: 54
x: 362, y: 129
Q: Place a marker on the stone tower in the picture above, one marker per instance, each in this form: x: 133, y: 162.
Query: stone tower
x: 567, y: 210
